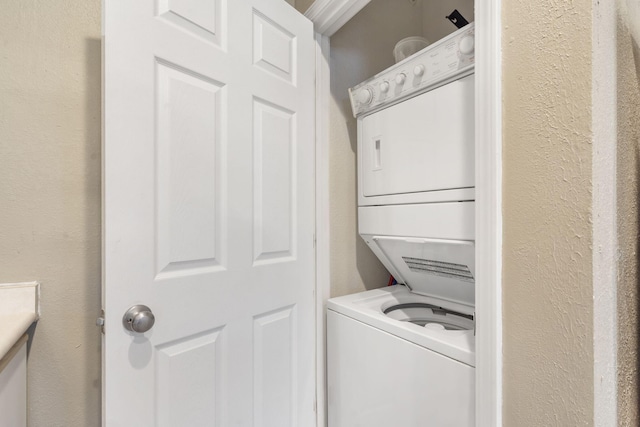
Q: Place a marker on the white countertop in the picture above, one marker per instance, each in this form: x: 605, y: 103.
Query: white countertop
x: 12, y: 327
x: 19, y: 308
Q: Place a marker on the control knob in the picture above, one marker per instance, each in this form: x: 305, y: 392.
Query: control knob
x: 418, y: 70
x: 365, y: 96
x: 384, y: 87
x: 466, y: 45
x: 400, y: 78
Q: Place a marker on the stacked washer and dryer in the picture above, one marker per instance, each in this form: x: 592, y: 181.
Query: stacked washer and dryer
x: 404, y: 355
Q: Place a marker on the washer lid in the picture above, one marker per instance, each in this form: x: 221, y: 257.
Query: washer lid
x: 444, y: 269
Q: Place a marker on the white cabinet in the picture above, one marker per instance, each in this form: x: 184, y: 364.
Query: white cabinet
x: 19, y: 309
x: 13, y: 386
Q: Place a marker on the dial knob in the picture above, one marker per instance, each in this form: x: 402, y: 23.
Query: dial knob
x: 138, y: 318
x: 418, y: 70
x: 466, y: 45
x: 400, y: 78
x: 384, y: 87
x: 365, y: 96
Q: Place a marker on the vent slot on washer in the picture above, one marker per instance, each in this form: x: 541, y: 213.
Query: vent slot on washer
x: 439, y: 268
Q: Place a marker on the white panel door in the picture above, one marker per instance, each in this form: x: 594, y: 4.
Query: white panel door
x: 208, y: 213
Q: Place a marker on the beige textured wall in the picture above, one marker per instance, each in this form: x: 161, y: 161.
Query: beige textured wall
x: 360, y: 49
x: 547, y: 259
x: 50, y: 196
x: 628, y: 177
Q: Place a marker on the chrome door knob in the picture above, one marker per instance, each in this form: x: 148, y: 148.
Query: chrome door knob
x: 138, y: 318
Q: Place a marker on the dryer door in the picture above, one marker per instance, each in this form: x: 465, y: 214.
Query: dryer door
x: 423, y: 144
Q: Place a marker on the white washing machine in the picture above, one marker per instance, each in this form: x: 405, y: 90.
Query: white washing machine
x: 404, y: 356
x: 412, y: 366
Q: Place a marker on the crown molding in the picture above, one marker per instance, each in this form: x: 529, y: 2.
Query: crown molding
x: 328, y: 16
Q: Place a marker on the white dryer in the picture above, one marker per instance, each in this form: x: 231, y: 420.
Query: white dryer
x: 405, y: 355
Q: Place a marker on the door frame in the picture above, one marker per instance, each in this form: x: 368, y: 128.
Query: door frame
x: 328, y: 17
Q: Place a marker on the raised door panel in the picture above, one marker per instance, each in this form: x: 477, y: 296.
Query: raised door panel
x: 275, y: 368
x: 205, y: 19
x: 189, y: 138
x: 274, y: 169
x: 186, y: 396
x: 274, y: 48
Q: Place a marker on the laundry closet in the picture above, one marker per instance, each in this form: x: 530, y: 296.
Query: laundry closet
x: 402, y: 196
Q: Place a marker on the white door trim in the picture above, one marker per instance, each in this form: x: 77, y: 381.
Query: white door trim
x: 605, y: 244
x: 322, y: 238
x: 328, y: 17
x: 488, y: 213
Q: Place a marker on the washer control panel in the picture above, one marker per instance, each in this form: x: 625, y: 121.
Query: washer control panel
x: 437, y: 64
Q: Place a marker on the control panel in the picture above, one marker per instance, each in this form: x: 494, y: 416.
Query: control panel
x: 445, y: 60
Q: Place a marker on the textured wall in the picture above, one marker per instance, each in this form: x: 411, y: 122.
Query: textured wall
x: 628, y: 175
x: 547, y: 247
x: 360, y: 49
x: 50, y: 196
